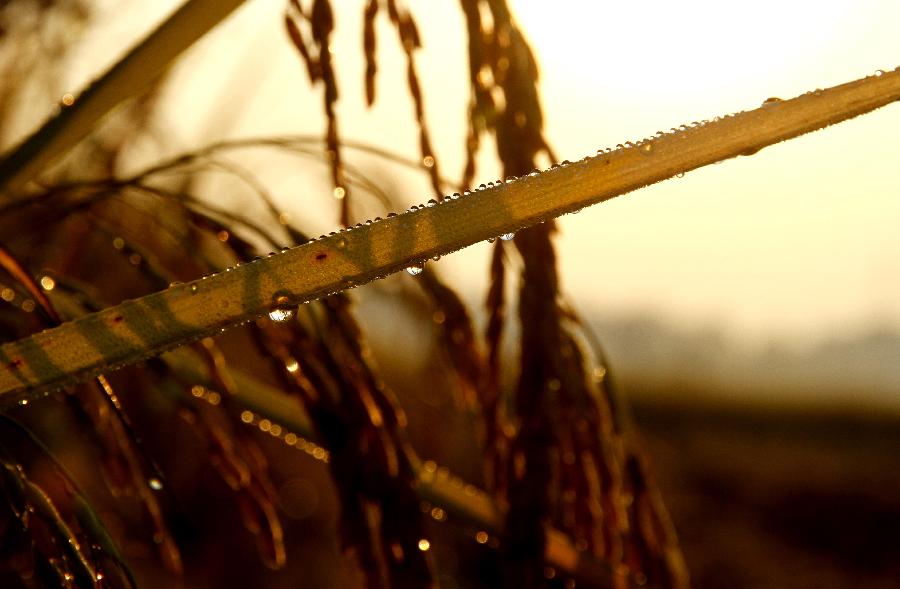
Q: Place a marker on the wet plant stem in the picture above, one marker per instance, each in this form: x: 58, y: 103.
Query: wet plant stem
x: 137, y: 329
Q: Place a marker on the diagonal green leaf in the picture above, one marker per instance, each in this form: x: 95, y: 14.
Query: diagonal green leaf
x: 137, y: 329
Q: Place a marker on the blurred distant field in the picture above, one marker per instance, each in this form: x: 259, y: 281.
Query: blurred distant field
x: 787, y: 499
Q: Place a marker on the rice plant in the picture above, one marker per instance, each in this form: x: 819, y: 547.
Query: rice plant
x: 150, y: 335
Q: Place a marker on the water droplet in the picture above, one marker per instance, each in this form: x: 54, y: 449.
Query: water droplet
x: 647, y: 148
x: 415, y: 269
x: 194, y: 288
x: 282, y: 311
x: 155, y: 484
x: 424, y: 545
x: 428, y: 161
x: 771, y: 100
x: 339, y: 192
x: 431, y: 203
x: 47, y: 283
x: 679, y: 175
x: 68, y: 99
x: 482, y: 537
x: 879, y: 73
x: 481, y: 187
x: 507, y: 236
x: 280, y: 314
x: 23, y: 402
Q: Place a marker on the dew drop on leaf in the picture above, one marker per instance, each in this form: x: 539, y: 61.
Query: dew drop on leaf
x: 280, y: 314
x: 415, y: 269
x: 282, y: 311
x: 155, y: 484
x: 507, y: 236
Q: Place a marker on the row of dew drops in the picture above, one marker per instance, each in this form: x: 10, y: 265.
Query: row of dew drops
x: 645, y: 147
x: 282, y: 312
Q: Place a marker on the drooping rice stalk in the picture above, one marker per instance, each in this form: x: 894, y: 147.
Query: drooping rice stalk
x: 568, y: 488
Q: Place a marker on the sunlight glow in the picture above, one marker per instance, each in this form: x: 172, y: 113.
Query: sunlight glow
x: 679, y: 48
